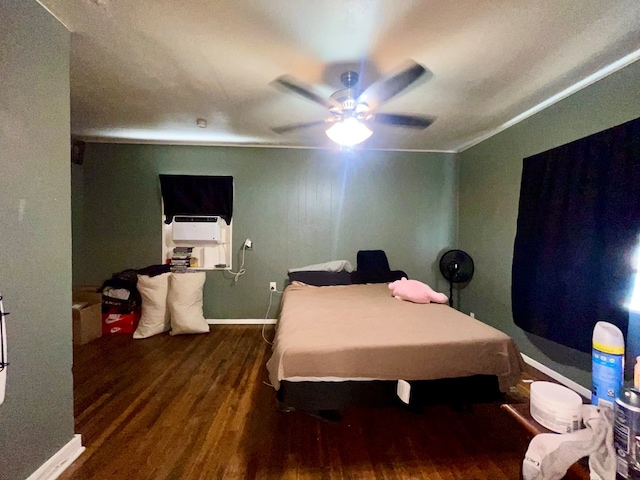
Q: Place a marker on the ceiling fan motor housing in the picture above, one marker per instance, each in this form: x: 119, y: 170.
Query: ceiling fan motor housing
x: 349, y: 79
x: 346, y: 98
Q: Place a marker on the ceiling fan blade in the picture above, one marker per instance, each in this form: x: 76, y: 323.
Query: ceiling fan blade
x: 296, y: 126
x: 403, y: 120
x: 300, y: 88
x: 386, y: 88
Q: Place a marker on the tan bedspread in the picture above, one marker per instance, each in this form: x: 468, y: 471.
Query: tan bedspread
x: 361, y: 331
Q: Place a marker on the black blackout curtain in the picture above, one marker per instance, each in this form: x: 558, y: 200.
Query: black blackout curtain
x: 578, y: 226
x: 197, y: 195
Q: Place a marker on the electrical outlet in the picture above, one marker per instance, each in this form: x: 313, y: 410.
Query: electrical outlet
x: 272, y: 286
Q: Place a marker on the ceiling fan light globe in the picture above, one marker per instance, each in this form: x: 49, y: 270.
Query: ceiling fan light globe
x: 348, y: 132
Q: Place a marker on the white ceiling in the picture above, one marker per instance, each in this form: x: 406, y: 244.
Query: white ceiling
x: 145, y: 70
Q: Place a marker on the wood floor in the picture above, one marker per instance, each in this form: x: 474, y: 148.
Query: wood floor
x: 197, y: 407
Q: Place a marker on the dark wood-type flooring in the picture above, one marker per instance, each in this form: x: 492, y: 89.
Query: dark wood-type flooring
x: 197, y: 407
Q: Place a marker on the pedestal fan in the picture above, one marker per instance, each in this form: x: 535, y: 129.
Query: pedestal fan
x: 457, y: 267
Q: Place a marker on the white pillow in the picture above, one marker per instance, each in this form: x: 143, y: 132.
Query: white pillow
x: 155, y: 314
x: 185, y: 303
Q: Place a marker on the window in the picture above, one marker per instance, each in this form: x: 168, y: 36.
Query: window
x: 578, y: 226
x: 197, y: 217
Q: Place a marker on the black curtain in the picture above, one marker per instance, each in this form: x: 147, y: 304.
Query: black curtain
x: 578, y: 226
x: 197, y: 195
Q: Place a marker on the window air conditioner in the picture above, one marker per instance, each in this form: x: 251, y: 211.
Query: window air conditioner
x: 195, y: 229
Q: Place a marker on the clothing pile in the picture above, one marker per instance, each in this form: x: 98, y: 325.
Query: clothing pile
x: 550, y: 455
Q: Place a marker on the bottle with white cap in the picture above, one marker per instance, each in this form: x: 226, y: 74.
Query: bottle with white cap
x: 607, y: 364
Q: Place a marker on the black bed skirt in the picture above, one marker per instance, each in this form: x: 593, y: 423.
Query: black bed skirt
x: 313, y: 396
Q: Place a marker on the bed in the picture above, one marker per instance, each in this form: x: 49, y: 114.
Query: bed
x: 344, y: 345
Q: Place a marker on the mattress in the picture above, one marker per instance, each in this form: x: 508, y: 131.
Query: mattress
x: 361, y: 331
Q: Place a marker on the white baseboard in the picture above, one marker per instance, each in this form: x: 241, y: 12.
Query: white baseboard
x: 585, y: 392
x: 52, y: 468
x: 242, y: 321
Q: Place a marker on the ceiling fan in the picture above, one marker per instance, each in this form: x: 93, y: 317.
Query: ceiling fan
x: 353, y: 110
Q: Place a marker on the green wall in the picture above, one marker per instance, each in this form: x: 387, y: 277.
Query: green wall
x: 298, y: 206
x: 489, y: 185
x: 36, y: 419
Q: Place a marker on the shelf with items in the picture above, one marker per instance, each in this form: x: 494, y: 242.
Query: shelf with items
x: 203, y: 254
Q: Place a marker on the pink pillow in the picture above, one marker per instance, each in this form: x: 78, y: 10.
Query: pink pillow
x: 416, y: 292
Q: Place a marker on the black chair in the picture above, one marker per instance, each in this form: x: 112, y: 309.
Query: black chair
x: 373, y: 267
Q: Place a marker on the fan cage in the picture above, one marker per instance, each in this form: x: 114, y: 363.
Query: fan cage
x: 456, y: 266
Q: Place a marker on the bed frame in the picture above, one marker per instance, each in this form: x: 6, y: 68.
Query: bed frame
x: 322, y: 396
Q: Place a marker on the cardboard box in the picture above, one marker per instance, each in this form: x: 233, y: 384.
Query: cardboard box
x: 86, y: 314
x: 118, y: 323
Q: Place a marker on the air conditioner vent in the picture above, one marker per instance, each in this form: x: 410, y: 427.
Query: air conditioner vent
x: 195, y: 229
